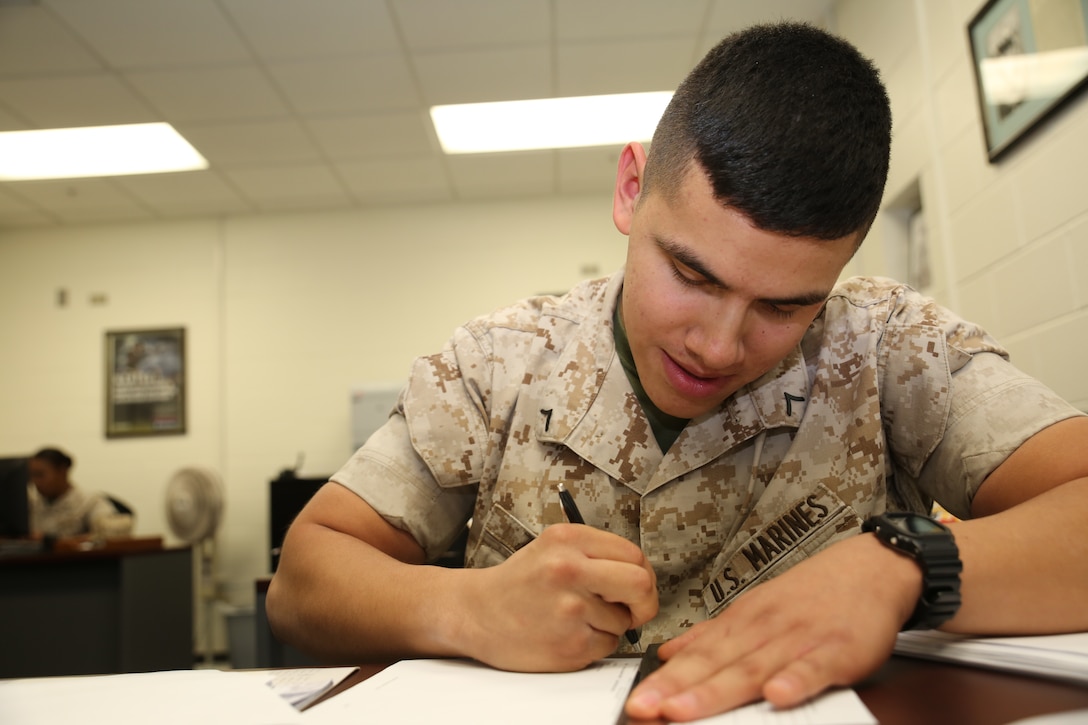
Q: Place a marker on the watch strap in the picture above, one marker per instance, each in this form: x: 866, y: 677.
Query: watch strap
x: 938, y: 557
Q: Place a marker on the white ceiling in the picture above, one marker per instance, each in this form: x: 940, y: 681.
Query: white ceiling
x: 322, y: 104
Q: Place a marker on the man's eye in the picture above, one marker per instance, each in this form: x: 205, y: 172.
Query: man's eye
x: 784, y: 313
x: 686, y: 275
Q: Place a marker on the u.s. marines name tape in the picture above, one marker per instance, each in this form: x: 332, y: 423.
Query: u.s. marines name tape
x: 809, y: 521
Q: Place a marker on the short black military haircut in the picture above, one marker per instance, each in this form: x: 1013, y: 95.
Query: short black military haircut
x: 791, y: 125
x: 54, y: 457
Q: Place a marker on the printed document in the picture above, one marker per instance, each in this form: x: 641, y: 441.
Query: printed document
x: 459, y: 691
x: 1059, y: 656
x: 177, y: 697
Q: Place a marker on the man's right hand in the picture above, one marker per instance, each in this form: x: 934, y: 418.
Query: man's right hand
x: 350, y: 587
x: 558, y: 604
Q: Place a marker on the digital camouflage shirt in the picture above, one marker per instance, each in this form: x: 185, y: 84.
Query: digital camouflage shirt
x: 890, y: 402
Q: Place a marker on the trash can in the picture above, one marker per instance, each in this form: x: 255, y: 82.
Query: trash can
x: 242, y: 637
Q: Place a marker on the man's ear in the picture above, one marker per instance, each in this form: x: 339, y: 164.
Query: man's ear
x: 628, y: 186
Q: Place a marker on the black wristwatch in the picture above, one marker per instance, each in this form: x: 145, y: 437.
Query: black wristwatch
x: 930, y: 543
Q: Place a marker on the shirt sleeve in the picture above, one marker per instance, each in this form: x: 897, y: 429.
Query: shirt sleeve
x: 421, y: 470
x: 389, y: 474
x: 953, y: 406
x: 994, y: 408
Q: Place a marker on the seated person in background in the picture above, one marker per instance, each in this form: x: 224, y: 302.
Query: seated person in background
x: 738, y: 426
x: 58, y: 509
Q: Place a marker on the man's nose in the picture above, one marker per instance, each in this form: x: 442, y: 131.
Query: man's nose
x: 718, y: 343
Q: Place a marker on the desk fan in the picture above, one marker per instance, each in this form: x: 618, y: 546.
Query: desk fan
x: 194, y: 505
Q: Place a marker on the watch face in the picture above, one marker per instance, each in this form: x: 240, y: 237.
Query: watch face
x: 916, y: 524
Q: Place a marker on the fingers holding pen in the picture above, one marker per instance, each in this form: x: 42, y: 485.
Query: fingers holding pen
x: 640, y: 594
x: 567, y: 596
x: 607, y: 566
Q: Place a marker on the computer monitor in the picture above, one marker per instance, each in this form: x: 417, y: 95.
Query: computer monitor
x: 287, y: 494
x: 14, y: 509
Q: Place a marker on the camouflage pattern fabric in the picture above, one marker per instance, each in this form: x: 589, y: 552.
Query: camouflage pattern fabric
x: 890, y: 402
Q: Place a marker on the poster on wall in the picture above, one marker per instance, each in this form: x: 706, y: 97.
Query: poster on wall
x: 145, y: 382
x: 1030, y: 58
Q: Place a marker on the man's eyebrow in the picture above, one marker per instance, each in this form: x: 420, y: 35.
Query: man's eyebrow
x: 804, y: 300
x: 688, y: 259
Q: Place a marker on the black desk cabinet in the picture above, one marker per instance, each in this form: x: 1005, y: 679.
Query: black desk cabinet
x: 96, y: 613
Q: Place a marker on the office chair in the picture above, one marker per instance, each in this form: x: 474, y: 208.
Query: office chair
x: 121, y: 506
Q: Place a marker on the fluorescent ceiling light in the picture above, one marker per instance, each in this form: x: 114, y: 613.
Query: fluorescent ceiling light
x: 61, y: 153
x: 547, y: 123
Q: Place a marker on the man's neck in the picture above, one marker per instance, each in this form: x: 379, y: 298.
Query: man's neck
x: 666, y: 428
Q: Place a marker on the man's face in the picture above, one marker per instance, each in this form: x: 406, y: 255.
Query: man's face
x: 710, y: 302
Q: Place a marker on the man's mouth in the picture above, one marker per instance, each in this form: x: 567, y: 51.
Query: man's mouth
x: 692, y: 383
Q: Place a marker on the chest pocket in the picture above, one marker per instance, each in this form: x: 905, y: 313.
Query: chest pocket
x: 809, y: 524
x: 500, y: 535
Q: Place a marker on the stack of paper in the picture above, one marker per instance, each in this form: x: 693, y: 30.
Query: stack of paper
x: 458, y: 691
x: 413, y: 691
x: 300, y: 687
x: 1060, y: 656
x: 180, y: 697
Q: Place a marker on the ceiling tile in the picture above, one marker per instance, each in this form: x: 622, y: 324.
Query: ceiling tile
x: 277, y: 187
x: 603, y: 19
x: 443, y: 25
x: 396, y: 181
x: 67, y: 101
x: 486, y: 75
x: 503, y: 175
x: 728, y: 16
x: 294, y: 101
x: 154, y: 33
x: 16, y: 212
x: 185, y: 193
x: 589, y: 69
x: 588, y: 171
x: 209, y: 94
x: 75, y: 200
x: 92, y: 214
x: 25, y: 220
x: 375, y: 136
x: 289, y: 29
x: 240, y: 144
x: 32, y: 41
x: 379, y: 83
x: 8, y: 120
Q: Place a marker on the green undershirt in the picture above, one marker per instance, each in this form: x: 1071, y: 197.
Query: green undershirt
x: 666, y: 428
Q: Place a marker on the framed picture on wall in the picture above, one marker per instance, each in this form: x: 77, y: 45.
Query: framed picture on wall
x: 1030, y: 57
x: 145, y: 382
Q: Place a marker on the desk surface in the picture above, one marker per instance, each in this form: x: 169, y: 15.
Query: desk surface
x: 908, y: 691
x: 23, y: 552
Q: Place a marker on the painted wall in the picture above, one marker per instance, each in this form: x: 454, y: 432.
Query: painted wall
x: 1008, y: 241
x: 284, y: 316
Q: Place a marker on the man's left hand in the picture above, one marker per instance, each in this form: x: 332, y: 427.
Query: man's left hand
x: 831, y: 620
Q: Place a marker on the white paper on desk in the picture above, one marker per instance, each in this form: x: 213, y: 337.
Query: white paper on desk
x: 299, y: 686
x: 837, y: 707
x: 177, y: 697
x: 456, y: 691
x: 459, y: 691
x: 1059, y: 656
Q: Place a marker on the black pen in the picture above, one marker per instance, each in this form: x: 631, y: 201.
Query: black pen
x: 566, y: 500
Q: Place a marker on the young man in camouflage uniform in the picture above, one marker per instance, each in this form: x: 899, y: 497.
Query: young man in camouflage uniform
x: 726, y: 417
